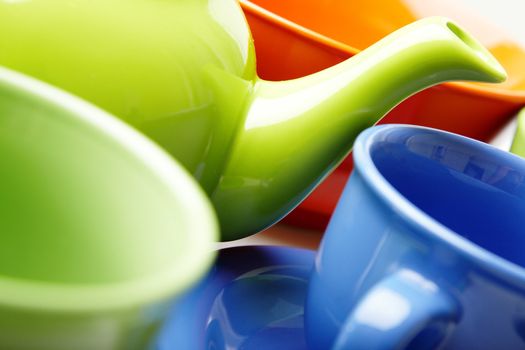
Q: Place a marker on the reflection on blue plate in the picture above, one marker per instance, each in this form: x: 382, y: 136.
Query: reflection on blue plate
x: 252, y: 299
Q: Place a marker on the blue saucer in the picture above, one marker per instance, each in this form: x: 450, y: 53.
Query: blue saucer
x: 252, y: 299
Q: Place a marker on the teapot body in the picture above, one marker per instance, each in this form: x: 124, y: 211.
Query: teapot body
x: 145, y: 61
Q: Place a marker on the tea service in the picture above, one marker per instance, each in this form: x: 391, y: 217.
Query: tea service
x: 187, y: 80
x: 419, y: 253
x: 136, y: 134
x: 98, y: 229
x: 404, y: 263
x: 252, y: 299
x: 291, y: 42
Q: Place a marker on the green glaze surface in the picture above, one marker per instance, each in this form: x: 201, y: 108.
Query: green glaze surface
x: 297, y: 131
x: 147, y: 61
x: 99, y: 227
x: 183, y: 73
x: 518, y: 144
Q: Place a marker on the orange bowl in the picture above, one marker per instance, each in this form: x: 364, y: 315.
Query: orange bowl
x: 294, y: 38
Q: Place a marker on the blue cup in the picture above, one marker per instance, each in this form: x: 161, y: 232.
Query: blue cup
x: 426, y: 248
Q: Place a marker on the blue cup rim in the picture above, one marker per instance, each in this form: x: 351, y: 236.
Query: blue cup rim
x: 416, y: 217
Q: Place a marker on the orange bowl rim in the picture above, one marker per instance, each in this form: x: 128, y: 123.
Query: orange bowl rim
x: 494, y: 92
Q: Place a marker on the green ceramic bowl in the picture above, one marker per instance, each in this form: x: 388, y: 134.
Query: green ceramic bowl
x: 99, y: 228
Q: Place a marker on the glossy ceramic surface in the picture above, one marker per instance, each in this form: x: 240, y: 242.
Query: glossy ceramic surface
x: 518, y: 144
x: 292, y: 42
x: 183, y: 73
x: 425, y: 247
x: 100, y: 227
x: 253, y: 299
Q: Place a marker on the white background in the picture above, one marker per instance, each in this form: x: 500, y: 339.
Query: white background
x: 507, y: 14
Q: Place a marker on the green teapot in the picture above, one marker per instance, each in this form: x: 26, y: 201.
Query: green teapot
x: 183, y: 72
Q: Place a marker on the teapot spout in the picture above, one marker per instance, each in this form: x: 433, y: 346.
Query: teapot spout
x: 295, y: 132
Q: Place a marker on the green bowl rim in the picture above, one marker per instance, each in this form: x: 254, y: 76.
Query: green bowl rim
x: 201, y: 224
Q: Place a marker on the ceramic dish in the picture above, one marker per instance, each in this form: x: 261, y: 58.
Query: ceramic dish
x: 425, y: 248
x: 187, y: 80
x: 253, y: 299
x: 518, y: 143
x: 291, y: 42
x: 99, y: 227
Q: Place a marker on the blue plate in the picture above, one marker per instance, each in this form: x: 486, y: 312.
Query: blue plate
x: 252, y: 299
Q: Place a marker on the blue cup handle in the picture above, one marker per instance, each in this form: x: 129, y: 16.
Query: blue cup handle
x: 395, y: 311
